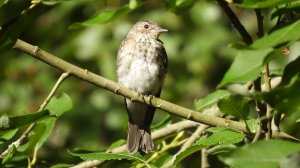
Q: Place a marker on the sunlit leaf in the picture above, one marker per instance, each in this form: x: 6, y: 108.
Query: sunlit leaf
x: 225, y: 137
x: 5, y: 135
x: 60, y: 105
x: 210, y: 99
x: 221, y: 137
x: 235, y: 106
x: 261, y: 3
x: 265, y: 154
x: 246, y: 66
x: 103, y: 17
x: 252, y: 125
x: 2, y: 2
x: 288, y: 33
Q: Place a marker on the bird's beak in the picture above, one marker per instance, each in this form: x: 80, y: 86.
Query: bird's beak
x: 161, y: 30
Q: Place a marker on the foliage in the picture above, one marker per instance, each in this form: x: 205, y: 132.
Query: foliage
x: 209, y: 68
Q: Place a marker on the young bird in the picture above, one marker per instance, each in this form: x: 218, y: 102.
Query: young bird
x: 141, y: 66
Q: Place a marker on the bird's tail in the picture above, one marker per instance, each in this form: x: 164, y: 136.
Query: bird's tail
x: 138, y: 138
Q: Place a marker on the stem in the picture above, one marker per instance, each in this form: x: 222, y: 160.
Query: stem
x: 269, y: 109
x: 236, y: 22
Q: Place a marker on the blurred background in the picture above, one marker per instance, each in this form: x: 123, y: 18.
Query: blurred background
x: 197, y: 44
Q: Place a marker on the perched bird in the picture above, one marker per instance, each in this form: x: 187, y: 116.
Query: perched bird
x: 141, y: 66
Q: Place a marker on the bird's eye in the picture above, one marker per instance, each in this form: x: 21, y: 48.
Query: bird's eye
x: 146, y: 26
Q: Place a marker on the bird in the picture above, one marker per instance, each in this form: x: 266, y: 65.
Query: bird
x: 141, y: 66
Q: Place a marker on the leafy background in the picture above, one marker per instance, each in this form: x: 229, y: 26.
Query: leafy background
x: 201, y: 46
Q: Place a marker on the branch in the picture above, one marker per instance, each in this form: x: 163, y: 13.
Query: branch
x: 112, y: 86
x: 177, y: 127
x: 235, y: 21
x: 19, y: 141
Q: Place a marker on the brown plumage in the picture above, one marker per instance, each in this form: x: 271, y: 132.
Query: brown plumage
x: 141, y: 66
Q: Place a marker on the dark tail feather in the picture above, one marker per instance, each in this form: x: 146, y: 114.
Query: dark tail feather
x: 138, y: 139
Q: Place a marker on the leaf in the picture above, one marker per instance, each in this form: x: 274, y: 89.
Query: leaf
x: 220, y: 137
x: 246, y: 66
x: 235, y: 106
x: 162, y: 123
x: 3, y: 2
x: 225, y: 137
x: 252, y: 125
x: 210, y: 100
x: 288, y: 33
x: 18, y: 121
x: 104, y: 16
x: 11, y: 31
x: 5, y: 135
x: 291, y: 70
x: 117, y: 143
x: 285, y: 99
x: 287, y: 8
x: 266, y: 154
x: 261, y: 3
x: 60, y: 105
x: 187, y: 152
x: 9, y: 154
x: 110, y: 156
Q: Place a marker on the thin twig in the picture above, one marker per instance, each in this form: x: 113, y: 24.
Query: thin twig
x: 235, y: 22
x: 204, y: 160
x: 177, y: 127
x: 19, y: 141
x: 269, y: 108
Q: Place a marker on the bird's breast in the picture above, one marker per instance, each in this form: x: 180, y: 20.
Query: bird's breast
x: 142, y: 71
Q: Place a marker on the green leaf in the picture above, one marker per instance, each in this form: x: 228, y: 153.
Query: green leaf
x: 9, y: 154
x: 210, y: 99
x: 252, y: 125
x: 285, y: 99
x: 110, y: 156
x: 60, y: 105
x: 261, y: 3
x: 225, y: 137
x: 221, y: 136
x: 62, y: 165
x: 291, y: 70
x: 2, y: 2
x: 235, y: 106
x: 288, y: 33
x: 187, y: 152
x: 117, y: 143
x: 18, y: 121
x: 285, y: 9
x: 5, y: 135
x: 104, y: 16
x: 266, y: 154
x: 11, y: 31
x: 162, y: 123
x: 246, y: 66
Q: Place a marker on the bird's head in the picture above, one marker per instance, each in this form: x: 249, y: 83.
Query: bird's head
x: 146, y: 29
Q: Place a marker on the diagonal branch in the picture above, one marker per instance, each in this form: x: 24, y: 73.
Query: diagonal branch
x: 112, y: 86
x: 235, y: 22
